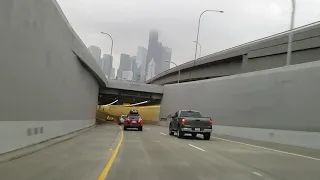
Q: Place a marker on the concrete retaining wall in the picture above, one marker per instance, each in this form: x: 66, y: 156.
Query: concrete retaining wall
x: 284, y: 98
x: 49, y: 80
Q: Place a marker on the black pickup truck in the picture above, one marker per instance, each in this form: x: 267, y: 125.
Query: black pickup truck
x: 190, y: 122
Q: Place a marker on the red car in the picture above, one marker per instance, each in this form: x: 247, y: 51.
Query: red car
x: 133, y: 120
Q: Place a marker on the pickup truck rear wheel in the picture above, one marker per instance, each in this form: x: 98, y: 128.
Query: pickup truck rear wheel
x: 171, y: 133
x: 180, y: 133
x: 206, y: 136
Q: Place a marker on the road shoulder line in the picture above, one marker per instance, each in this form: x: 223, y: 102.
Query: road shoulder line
x: 283, y: 152
x: 106, y: 169
x: 197, y: 147
x: 256, y: 173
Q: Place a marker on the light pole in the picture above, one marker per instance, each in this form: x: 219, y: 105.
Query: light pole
x: 178, y: 70
x: 111, y: 41
x: 197, y: 41
x: 199, y: 49
x: 293, y: 11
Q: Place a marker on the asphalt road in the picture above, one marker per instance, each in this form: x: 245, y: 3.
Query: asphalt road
x: 80, y: 158
x: 154, y: 155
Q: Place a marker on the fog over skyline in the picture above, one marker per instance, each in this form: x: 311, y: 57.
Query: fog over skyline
x: 129, y: 23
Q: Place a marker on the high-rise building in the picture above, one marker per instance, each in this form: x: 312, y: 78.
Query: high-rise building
x: 107, y: 64
x: 154, y: 52
x: 119, y: 74
x: 158, y: 53
x: 134, y: 68
x: 125, y: 65
x: 113, y: 73
x: 96, y: 53
x: 166, y: 56
x: 151, y: 69
x: 141, y: 64
x: 127, y: 75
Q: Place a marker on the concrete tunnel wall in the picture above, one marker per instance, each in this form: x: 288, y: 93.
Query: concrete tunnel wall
x: 279, y: 105
x: 45, y: 90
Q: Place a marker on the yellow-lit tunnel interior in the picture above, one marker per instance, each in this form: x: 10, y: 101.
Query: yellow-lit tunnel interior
x: 149, y: 114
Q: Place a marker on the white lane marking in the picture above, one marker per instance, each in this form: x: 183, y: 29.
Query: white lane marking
x: 148, y: 128
x: 196, y: 147
x: 284, y: 152
x: 162, y: 133
x: 256, y: 173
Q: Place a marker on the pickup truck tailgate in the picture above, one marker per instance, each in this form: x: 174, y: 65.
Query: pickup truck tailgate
x: 197, y: 122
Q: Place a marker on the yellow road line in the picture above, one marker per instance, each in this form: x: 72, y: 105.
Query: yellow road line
x: 106, y: 169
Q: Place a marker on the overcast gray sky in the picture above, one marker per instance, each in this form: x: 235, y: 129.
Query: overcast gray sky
x: 129, y: 23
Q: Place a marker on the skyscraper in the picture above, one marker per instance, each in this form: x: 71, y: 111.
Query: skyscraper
x: 125, y: 65
x: 151, y: 69
x: 134, y: 68
x: 166, y: 56
x: 107, y: 64
x: 96, y: 53
x: 141, y: 64
x: 113, y: 73
x: 127, y: 75
x: 158, y: 53
x: 153, y: 49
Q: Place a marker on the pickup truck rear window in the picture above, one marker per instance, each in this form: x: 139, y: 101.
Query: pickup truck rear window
x: 190, y: 114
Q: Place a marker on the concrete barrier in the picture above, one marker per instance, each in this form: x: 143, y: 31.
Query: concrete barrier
x: 282, y: 102
x: 49, y: 80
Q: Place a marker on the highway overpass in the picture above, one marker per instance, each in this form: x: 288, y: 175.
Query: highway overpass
x: 130, y: 92
x: 265, y: 53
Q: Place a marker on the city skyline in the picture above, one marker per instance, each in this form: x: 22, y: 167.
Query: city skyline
x: 178, y: 26
x: 135, y: 67
x: 105, y: 62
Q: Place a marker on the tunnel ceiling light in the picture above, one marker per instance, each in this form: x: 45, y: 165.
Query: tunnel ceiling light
x: 112, y: 103
x: 144, y: 102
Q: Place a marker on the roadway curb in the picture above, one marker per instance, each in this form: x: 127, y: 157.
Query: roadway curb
x: 9, y: 156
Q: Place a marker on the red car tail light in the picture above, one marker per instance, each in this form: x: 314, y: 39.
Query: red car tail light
x: 211, y: 121
x: 140, y: 121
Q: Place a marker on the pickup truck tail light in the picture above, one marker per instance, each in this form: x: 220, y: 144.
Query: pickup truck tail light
x: 183, y: 121
x: 211, y: 121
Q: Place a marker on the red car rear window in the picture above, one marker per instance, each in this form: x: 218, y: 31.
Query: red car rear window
x: 133, y: 116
